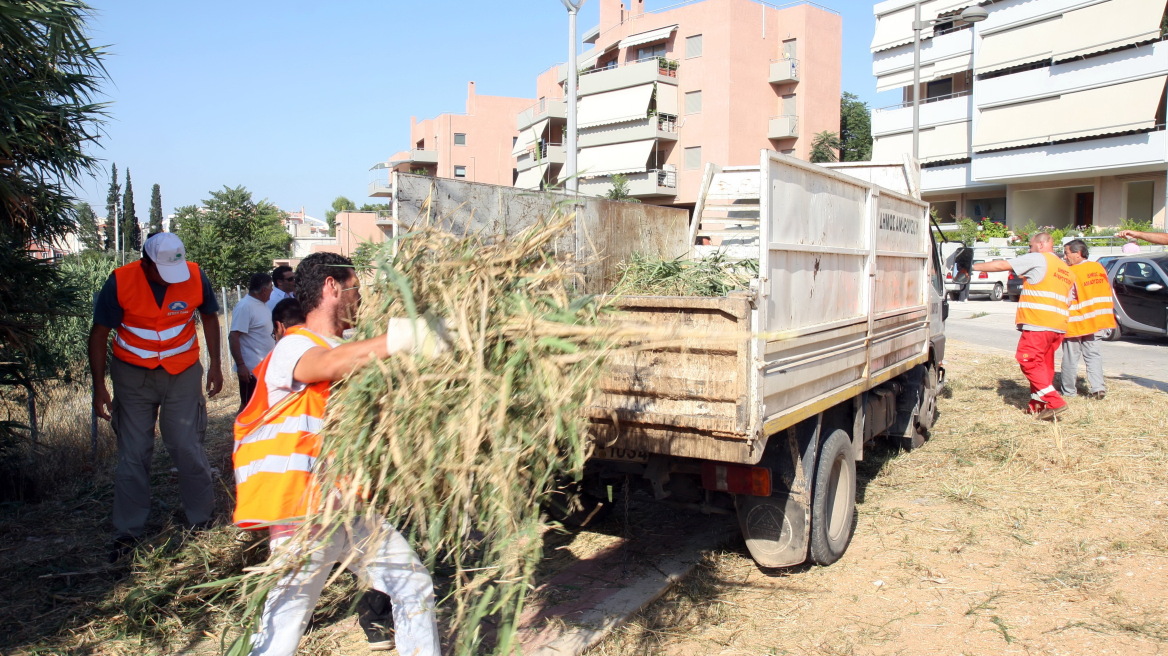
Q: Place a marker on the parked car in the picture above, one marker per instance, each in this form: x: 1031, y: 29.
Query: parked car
x: 1140, y: 286
x: 988, y: 283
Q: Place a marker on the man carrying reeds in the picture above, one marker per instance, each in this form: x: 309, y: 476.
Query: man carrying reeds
x: 1043, y: 308
x: 277, y: 446
x: 157, y: 378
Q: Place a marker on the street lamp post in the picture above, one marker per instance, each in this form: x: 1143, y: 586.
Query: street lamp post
x: 970, y: 15
x: 570, y: 147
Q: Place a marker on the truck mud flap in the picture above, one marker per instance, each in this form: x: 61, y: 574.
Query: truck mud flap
x: 777, y: 529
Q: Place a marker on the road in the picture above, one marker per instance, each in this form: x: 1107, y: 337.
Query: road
x: 990, y: 324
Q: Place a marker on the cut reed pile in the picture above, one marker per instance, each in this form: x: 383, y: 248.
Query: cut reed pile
x: 459, y: 450
x: 715, y: 275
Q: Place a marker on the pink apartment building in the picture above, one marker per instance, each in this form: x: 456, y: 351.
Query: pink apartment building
x: 661, y: 93
x: 475, y: 146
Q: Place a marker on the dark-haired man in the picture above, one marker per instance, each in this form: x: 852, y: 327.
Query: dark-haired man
x: 277, y: 443
x: 151, y: 305
x: 283, y: 285
x: 1092, y: 311
x: 251, y: 338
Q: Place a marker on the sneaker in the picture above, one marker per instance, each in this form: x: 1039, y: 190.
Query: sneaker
x: 1050, y: 413
x: 123, y: 546
x: 375, y: 615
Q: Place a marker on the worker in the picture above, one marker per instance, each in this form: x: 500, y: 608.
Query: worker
x: 284, y: 285
x: 276, y: 482
x: 1043, y: 308
x: 1151, y: 237
x: 287, y: 314
x: 1092, y: 311
x: 156, y: 374
x: 251, y: 336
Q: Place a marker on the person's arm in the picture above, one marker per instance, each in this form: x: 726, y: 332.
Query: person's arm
x: 1151, y: 237
x: 98, y: 339
x: 992, y: 265
x: 214, y: 354
x: 233, y: 345
x: 320, y: 363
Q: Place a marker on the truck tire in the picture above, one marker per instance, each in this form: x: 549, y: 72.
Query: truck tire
x: 927, y: 414
x: 833, y: 500
x: 996, y: 292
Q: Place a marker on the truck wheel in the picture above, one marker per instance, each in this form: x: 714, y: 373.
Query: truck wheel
x: 570, y: 505
x: 996, y: 292
x: 954, y: 296
x: 928, y: 410
x: 833, y: 501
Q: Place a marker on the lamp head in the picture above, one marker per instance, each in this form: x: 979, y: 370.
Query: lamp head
x: 974, y: 15
x: 572, y: 6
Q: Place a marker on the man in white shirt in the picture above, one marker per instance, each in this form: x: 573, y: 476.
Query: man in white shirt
x: 284, y: 285
x: 251, y: 336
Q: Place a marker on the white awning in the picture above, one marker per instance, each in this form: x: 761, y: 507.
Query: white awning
x: 666, y: 99
x: 1025, y: 44
x: 944, y: 142
x: 617, y: 106
x: 531, y: 178
x: 1108, y: 25
x: 529, y: 137
x: 647, y: 37
x: 902, y: 78
x: 615, y: 158
x: 1094, y: 112
x: 588, y: 60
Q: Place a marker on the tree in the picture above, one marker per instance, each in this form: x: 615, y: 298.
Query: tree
x: 155, y: 209
x: 855, y: 133
x: 340, y: 204
x: 824, y: 146
x: 232, y: 236
x: 620, y: 189
x: 131, y: 231
x: 87, y: 232
x: 113, y: 199
x: 376, y: 207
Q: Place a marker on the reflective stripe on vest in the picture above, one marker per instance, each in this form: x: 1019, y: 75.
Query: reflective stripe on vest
x: 151, y: 336
x: 276, y: 447
x: 1047, y: 302
x: 1094, y: 309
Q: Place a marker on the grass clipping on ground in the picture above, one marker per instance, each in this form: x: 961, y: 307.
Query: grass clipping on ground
x: 459, y: 450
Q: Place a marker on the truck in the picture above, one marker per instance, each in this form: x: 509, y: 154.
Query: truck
x: 772, y: 393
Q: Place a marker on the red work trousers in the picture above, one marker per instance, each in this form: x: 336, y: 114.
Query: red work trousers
x: 1036, y: 349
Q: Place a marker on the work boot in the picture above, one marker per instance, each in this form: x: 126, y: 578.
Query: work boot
x: 1050, y: 413
x: 375, y: 615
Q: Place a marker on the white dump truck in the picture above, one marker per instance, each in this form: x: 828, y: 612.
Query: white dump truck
x: 839, y: 339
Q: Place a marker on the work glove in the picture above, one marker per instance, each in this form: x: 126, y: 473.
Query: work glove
x: 426, y: 336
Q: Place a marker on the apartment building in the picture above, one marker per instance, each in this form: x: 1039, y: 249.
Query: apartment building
x: 476, y: 145
x: 661, y: 93
x: 1050, y: 111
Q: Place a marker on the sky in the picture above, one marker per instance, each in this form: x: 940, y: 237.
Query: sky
x: 296, y: 100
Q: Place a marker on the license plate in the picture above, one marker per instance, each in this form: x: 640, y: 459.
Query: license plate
x: 620, y: 453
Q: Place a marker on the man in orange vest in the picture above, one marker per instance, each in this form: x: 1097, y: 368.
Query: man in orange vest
x: 277, y: 446
x: 151, y: 304
x: 1043, y: 308
x: 1092, y: 311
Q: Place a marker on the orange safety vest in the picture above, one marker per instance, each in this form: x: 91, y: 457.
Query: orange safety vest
x: 276, y: 448
x: 1093, y: 309
x: 151, y: 336
x: 1047, y: 302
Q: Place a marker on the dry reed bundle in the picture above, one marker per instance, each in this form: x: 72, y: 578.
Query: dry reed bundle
x: 714, y: 275
x: 459, y: 450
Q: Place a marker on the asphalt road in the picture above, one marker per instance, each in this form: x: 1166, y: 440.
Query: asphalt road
x: 990, y: 324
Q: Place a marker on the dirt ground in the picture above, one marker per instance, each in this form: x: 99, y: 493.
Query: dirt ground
x: 1001, y: 535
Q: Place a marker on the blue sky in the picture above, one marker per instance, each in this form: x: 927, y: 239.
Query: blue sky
x: 296, y: 100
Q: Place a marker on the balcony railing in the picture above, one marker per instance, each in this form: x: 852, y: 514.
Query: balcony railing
x: 666, y: 67
x: 784, y: 126
x: 932, y: 99
x: 784, y: 70
x: 666, y: 178
x: 666, y: 123
x: 544, y: 108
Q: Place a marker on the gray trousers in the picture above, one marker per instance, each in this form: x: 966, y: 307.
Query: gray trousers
x: 1088, y: 346
x: 143, y: 397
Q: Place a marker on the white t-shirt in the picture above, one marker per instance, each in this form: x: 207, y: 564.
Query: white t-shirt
x: 286, y: 355
x: 277, y: 296
x: 253, y: 320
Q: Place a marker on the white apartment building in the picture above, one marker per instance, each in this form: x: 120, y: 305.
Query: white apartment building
x: 1048, y: 110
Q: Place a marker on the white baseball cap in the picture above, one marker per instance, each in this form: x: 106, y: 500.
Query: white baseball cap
x: 169, y: 255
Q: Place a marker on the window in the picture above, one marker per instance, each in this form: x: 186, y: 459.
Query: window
x: 789, y: 49
x: 460, y: 171
x: 693, y: 102
x: 514, y: 142
x: 693, y: 46
x: 649, y: 52
x: 693, y: 158
x: 459, y: 139
x: 938, y: 88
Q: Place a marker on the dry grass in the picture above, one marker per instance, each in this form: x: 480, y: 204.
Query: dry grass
x: 1000, y: 535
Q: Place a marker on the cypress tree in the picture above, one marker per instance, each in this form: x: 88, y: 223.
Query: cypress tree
x: 155, y: 209
x: 111, y: 209
x: 131, y: 231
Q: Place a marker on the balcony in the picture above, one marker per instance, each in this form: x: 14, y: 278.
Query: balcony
x: 418, y: 156
x: 547, y: 153
x: 381, y: 189
x: 934, y: 111
x: 659, y: 126
x: 785, y: 126
x: 654, y: 69
x: 784, y: 71
x: 642, y: 184
x: 539, y: 111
